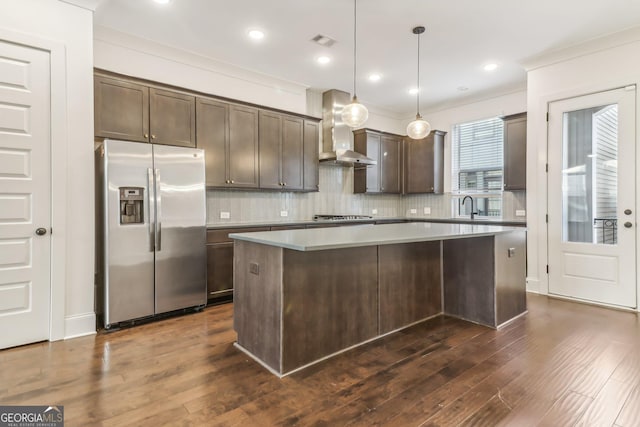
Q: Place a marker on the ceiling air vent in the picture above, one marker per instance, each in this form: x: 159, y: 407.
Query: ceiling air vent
x: 323, y: 40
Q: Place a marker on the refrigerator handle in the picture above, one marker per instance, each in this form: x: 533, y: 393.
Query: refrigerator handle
x: 152, y: 211
x: 158, y: 212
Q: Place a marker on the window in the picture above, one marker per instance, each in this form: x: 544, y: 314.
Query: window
x: 477, y: 166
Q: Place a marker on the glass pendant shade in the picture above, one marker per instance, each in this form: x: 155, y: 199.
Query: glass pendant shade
x: 355, y: 114
x: 419, y: 128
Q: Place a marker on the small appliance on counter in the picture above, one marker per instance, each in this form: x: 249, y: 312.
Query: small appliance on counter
x: 151, y: 231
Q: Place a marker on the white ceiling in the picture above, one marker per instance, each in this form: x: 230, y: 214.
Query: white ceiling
x: 461, y: 37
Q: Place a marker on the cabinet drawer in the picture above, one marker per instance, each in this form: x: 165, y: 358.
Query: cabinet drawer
x: 222, y: 236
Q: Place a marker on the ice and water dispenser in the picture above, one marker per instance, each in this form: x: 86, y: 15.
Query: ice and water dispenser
x: 131, y: 205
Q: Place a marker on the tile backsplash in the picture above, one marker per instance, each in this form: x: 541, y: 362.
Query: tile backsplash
x: 335, y: 197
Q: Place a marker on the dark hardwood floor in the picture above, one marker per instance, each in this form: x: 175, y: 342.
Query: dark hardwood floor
x: 562, y: 364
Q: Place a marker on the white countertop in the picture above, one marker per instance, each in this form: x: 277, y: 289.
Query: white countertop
x: 369, y: 235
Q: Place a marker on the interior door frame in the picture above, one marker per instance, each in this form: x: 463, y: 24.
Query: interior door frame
x: 58, y: 170
x: 543, y: 196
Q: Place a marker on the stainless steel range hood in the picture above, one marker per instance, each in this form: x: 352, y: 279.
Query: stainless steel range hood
x: 337, y: 137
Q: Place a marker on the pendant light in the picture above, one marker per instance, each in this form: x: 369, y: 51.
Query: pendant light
x: 419, y: 128
x: 355, y: 114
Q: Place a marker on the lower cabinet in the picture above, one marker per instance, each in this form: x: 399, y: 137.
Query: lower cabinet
x: 220, y: 261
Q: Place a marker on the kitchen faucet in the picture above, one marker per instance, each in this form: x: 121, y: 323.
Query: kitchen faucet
x: 473, y: 213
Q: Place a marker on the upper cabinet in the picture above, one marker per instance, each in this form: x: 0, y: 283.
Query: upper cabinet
x: 121, y: 109
x: 246, y: 147
x: 134, y: 112
x: 311, y: 153
x: 385, y: 148
x: 424, y: 164
x: 243, y: 147
x: 172, y: 118
x: 515, y: 152
x: 390, y: 163
x: 228, y: 133
x: 281, y: 151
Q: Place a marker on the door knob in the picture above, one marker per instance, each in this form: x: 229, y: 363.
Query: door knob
x: 627, y: 212
x: 627, y: 224
x: 41, y: 231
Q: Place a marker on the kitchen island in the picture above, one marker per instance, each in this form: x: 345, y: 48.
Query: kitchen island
x: 301, y: 296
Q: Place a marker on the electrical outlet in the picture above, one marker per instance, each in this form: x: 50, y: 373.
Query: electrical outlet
x: 254, y: 268
x: 413, y: 211
x: 427, y: 211
x: 521, y: 212
x: 374, y: 211
x: 284, y: 213
x: 225, y: 215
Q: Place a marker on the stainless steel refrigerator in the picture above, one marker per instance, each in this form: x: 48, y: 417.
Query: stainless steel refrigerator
x: 151, y: 232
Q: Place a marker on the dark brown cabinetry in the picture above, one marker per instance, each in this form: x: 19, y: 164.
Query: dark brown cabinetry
x: 246, y: 147
x: 228, y: 133
x: 135, y: 112
x: 383, y: 177
x: 220, y: 260
x: 281, y: 151
x: 121, y: 109
x: 243, y: 147
x: 172, y: 118
x: 515, y: 152
x: 424, y: 164
x: 311, y: 153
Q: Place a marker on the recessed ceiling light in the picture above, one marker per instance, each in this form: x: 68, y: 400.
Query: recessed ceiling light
x: 256, y: 34
x: 374, y: 77
x: 162, y: 1
x: 490, y: 67
x: 323, y: 60
x: 414, y: 91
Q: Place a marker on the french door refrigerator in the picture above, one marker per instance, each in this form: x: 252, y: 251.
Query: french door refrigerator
x: 151, y: 232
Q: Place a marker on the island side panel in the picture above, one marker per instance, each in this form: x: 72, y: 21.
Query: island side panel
x: 511, y: 281
x: 330, y: 302
x: 257, y: 300
x: 468, y: 279
x: 410, y: 283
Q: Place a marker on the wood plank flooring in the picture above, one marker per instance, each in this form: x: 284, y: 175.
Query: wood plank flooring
x: 563, y: 364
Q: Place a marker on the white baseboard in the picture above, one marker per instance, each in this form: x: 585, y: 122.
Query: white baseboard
x: 533, y: 285
x: 79, y: 325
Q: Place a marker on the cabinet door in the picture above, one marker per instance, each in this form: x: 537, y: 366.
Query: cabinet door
x: 390, y: 166
x: 212, y: 135
x: 172, y: 118
x: 121, y: 109
x: 311, y: 153
x: 424, y: 164
x: 292, y: 153
x: 219, y: 269
x: 270, y: 149
x: 372, y: 173
x: 418, y: 165
x: 515, y: 152
x: 243, y: 146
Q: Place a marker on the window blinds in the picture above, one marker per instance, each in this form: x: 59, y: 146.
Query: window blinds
x: 477, y: 156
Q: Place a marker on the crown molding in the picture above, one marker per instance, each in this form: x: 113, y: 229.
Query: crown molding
x: 85, y: 4
x: 609, y: 41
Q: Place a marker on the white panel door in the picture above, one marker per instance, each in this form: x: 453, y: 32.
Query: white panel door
x: 25, y: 200
x: 592, y: 202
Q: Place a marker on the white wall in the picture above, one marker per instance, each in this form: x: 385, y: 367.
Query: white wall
x: 68, y: 30
x: 605, y: 64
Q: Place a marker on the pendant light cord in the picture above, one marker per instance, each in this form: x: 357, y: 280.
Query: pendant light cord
x: 418, y: 80
x: 355, y: 41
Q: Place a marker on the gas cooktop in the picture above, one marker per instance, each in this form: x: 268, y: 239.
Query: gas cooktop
x: 340, y: 217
